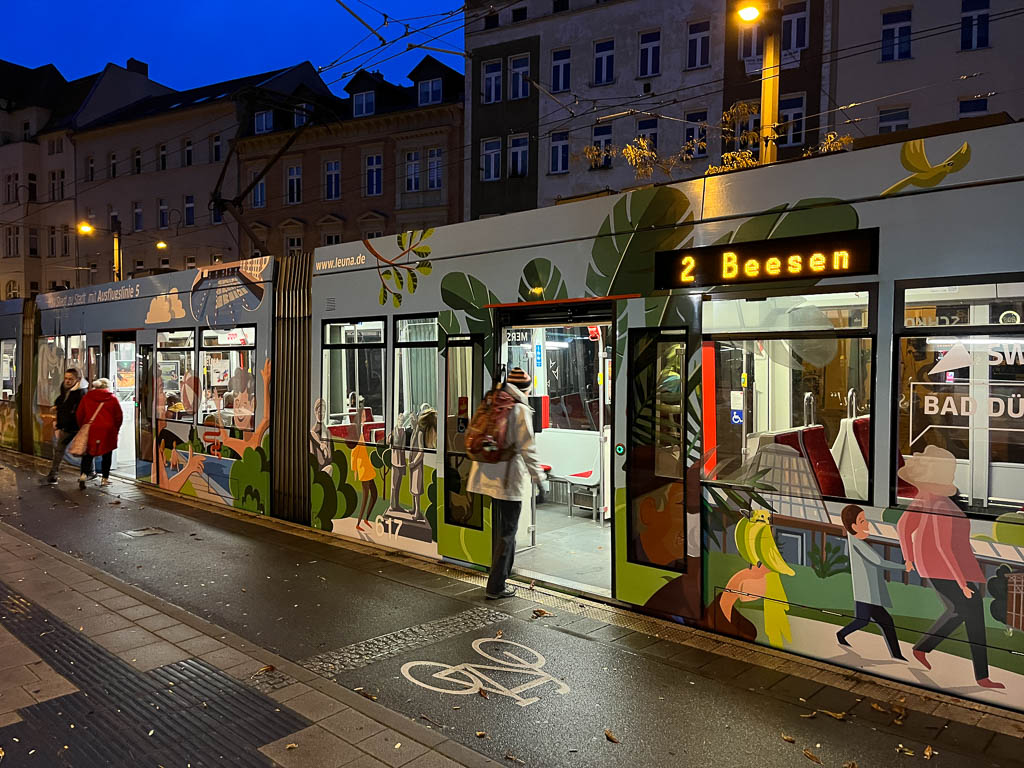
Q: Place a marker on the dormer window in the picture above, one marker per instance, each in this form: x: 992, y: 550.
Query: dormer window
x: 302, y: 112
x: 430, y: 91
x: 363, y: 104
x: 263, y: 122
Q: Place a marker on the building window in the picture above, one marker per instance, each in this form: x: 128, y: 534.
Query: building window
x: 163, y: 214
x: 12, y: 290
x: 113, y: 165
x: 186, y: 153
x: 294, y: 245
x: 90, y: 169
x: 115, y: 221
x: 790, y: 132
x: 518, y: 155
x: 435, y: 170
x: 332, y: 180
x: 491, y: 21
x: 294, y: 184
x: 794, y: 27
x: 896, y: 35
x: 363, y: 104
x: 518, y: 14
x: 57, y: 185
x: 332, y: 238
x: 492, y: 82
x: 65, y: 240
x: 751, y: 42
x: 973, y: 107
x: 746, y: 133
x: 648, y: 129
x: 374, y: 175
x: 140, y: 264
x: 490, y: 160
x: 190, y: 262
x: 696, y: 133
x: 33, y: 242
x: 51, y: 243
x: 216, y: 215
x: 559, y: 153
x: 430, y: 91
x: 973, y: 25
x: 137, y: 217
x: 259, y: 191
x: 190, y: 210
x: 137, y: 162
x: 890, y: 120
x: 13, y: 242
x: 33, y: 187
x: 412, y: 171
x: 26, y: 130
x: 650, y: 54
x: 603, y: 141
x: 372, y: 233
x: 354, y: 376
x: 560, y: 70
x: 518, y: 77
x: 215, y: 149
x: 162, y: 152
x: 698, y: 44
x: 559, y: 6
x: 604, y: 62
x: 301, y: 117
x: 11, y: 195
x: 165, y: 263
x: 263, y: 122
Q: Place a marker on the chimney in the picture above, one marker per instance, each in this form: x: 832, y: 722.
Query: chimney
x: 139, y: 67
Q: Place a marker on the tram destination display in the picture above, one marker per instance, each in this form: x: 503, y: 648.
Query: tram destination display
x: 830, y: 254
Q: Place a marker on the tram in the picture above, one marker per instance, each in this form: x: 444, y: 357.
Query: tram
x: 786, y: 405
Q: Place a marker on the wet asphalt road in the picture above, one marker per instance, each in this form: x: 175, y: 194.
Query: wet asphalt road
x: 300, y: 598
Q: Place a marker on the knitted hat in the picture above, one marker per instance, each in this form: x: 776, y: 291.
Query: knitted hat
x: 520, y: 378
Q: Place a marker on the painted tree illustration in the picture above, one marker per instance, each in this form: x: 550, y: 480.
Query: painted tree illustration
x: 400, y: 274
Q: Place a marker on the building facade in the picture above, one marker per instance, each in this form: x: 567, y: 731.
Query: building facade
x: 383, y: 160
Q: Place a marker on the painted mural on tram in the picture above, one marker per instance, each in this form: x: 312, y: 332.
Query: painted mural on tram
x: 781, y: 404
x: 187, y: 355
x: 10, y: 371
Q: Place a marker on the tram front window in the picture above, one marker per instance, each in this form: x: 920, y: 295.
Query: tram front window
x: 792, y: 408
x: 353, y: 383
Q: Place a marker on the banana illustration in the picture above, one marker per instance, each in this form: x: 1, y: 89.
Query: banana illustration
x: 922, y: 173
x: 740, y: 536
x: 768, y: 552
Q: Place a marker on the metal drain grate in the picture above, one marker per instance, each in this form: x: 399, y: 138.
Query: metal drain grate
x: 138, y: 533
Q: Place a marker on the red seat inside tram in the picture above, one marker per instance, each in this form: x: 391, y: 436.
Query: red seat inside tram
x: 812, y: 443
x: 862, y: 433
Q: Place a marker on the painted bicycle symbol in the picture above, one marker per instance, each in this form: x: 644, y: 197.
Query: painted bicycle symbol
x: 466, y: 679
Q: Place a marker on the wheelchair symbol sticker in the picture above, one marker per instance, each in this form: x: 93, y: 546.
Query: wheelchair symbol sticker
x: 736, y: 417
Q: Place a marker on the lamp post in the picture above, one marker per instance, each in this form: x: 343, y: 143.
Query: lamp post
x: 85, y: 228
x: 771, y: 25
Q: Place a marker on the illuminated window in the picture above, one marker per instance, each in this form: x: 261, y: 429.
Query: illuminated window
x: 353, y: 380
x: 228, y: 385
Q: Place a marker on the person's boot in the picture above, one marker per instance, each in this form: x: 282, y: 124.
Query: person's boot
x: 48, y: 480
x: 81, y: 481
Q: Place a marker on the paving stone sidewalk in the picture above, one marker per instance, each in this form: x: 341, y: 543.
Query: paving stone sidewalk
x: 94, y: 672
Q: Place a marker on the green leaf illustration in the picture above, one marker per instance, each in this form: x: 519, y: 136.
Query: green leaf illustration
x: 813, y: 216
x: 468, y: 294
x: 396, y: 300
x: 413, y: 282
x: 421, y: 250
x: 424, y: 267
x: 449, y: 322
x: 541, y: 281
x: 382, y: 297
x: 387, y: 274
x: 399, y: 280
x: 401, y: 239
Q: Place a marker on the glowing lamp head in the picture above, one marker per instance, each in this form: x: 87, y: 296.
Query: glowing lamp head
x: 161, y: 245
x: 86, y: 228
x: 748, y: 13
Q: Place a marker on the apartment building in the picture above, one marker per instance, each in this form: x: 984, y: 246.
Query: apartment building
x: 384, y: 159
x: 39, y: 113
x: 547, y: 78
x: 920, y: 63
x: 149, y: 170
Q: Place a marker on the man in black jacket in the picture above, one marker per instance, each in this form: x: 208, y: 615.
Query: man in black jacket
x: 67, y: 422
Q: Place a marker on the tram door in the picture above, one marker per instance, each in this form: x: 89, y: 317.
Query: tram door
x: 144, y: 427
x: 122, y: 369
x: 565, y: 534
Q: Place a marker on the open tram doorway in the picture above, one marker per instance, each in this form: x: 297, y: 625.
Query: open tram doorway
x: 122, y: 370
x: 565, y: 535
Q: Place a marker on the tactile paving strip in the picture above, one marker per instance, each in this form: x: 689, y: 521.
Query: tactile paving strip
x: 366, y: 652
x: 188, y: 713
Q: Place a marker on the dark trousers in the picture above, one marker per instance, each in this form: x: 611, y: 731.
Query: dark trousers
x: 58, y: 453
x: 105, y: 461
x: 959, y: 610
x: 504, y: 524
x: 865, y: 614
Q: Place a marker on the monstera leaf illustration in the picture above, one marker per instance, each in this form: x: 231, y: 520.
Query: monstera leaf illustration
x: 622, y: 257
x: 468, y: 294
x: 810, y: 216
x: 449, y: 322
x: 542, y: 281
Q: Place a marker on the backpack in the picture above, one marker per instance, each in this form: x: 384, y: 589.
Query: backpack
x: 487, y: 434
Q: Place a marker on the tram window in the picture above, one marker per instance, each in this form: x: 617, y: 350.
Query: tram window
x: 414, y: 424
x: 8, y: 369
x: 964, y: 394
x: 464, y: 379
x: 787, y: 314
x: 175, y: 365
x: 960, y: 305
x: 670, y: 411
x: 76, y: 353
x: 227, y: 366
x: 353, y: 380
x: 49, y: 368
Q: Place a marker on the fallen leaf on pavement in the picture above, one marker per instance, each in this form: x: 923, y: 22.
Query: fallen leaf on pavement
x: 812, y: 757
x: 498, y: 634
x: 836, y: 715
x: 481, y: 734
x: 514, y: 759
x: 483, y: 693
x: 878, y: 707
x: 610, y: 736
x: 264, y: 670
x: 291, y: 746
x: 851, y: 764
x: 928, y: 752
x: 810, y: 715
x: 538, y: 612
x: 531, y: 585
x: 788, y: 738
x: 398, y: 745
x: 367, y: 695
x: 901, y: 750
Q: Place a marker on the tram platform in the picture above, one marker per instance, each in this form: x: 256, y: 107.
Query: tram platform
x: 137, y: 630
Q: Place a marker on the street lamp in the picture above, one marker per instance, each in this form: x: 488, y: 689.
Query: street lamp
x: 85, y: 228
x: 750, y: 12
x: 160, y: 245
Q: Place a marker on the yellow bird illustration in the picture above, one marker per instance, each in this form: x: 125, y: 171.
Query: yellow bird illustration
x: 923, y: 173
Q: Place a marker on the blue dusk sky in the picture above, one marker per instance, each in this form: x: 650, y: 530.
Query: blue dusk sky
x: 192, y: 44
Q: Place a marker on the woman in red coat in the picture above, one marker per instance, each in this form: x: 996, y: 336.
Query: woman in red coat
x: 102, y: 411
